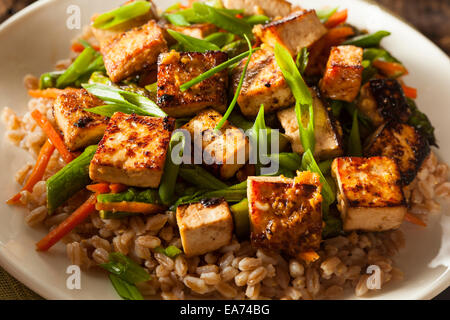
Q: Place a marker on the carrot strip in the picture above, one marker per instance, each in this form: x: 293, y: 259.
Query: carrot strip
x: 336, y: 19
x: 77, y: 47
x: 99, y: 187
x: 409, y: 92
x: 38, y: 170
x: 53, y: 135
x: 309, y: 256
x: 68, y: 225
x: 390, y: 69
x: 50, y: 93
x: 117, y: 187
x: 415, y: 220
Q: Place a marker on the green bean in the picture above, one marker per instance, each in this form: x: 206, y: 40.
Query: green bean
x: 201, y: 178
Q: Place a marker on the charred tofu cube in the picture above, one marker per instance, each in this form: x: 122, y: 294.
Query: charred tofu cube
x: 382, y: 100
x: 176, y: 68
x: 343, y: 75
x: 370, y: 195
x: 298, y: 30
x: 198, y: 30
x: 402, y: 143
x: 133, y: 51
x: 205, y: 226
x: 272, y: 8
x: 133, y: 150
x: 79, y: 127
x: 286, y: 214
x: 327, y: 130
x: 224, y: 151
x: 264, y: 83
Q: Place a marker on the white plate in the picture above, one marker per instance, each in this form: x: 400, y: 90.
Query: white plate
x: 35, y: 38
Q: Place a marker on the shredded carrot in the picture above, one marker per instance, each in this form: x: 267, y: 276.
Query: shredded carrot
x: 52, y: 135
x: 309, y: 256
x: 409, y: 92
x: 68, y: 225
x: 38, y: 170
x: 117, y: 187
x: 390, y: 69
x: 336, y: 19
x: 50, y: 93
x: 414, y: 219
x: 126, y: 206
x: 99, y: 187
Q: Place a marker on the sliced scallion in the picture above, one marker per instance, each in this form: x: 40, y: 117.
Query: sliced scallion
x: 122, y: 14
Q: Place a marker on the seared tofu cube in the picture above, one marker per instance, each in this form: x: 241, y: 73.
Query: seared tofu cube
x: 205, y: 226
x: 327, y: 130
x: 177, y: 68
x: 133, y: 51
x: 402, y: 143
x: 272, y: 8
x: 133, y: 150
x: 224, y: 151
x: 286, y: 214
x: 343, y: 75
x: 382, y: 100
x: 264, y: 83
x: 298, y: 30
x: 198, y: 30
x: 370, y: 196
x: 79, y: 127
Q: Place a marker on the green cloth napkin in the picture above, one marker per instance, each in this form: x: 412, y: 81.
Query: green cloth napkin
x: 11, y: 289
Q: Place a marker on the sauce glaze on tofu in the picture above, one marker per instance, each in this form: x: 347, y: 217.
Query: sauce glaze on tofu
x: 286, y: 214
x: 133, y: 150
x: 370, y: 195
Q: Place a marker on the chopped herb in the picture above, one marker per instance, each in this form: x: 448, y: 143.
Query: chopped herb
x: 122, y: 14
x: 171, y: 251
x: 124, y: 289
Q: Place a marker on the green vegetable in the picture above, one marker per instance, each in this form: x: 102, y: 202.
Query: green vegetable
x: 176, y: 19
x: 354, y: 140
x: 235, y: 48
x: 69, y: 180
x: 121, y: 100
x: 336, y: 107
x: 220, y: 39
x: 124, y: 289
x: 100, y: 78
x: 241, y: 219
x: 48, y: 80
x: 303, y: 97
x: 257, y: 19
x: 170, y: 251
x: 201, y: 178
x: 152, y: 88
x: 168, y: 181
x: 368, y: 40
x: 125, y: 268
x: 238, y: 89
x: 258, y: 138
x: 325, y: 14
x: 325, y: 166
x: 189, y: 43
x: 213, y: 71
x: 131, y: 195
x: 421, y: 122
x: 372, y: 54
x: 231, y: 194
x: 116, y: 214
x: 333, y: 224
x: 302, y: 60
x: 122, y: 14
x: 173, y: 7
x: 288, y: 160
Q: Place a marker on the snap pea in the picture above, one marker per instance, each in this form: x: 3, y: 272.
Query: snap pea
x: 48, y: 80
x: 201, y: 178
x: 69, y: 180
x: 131, y: 195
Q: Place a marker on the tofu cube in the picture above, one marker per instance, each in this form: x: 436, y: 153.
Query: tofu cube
x: 286, y: 214
x: 176, y: 68
x: 224, y: 151
x: 298, y: 30
x: 382, y: 100
x: 327, y: 130
x: 402, y: 143
x: 370, y: 196
x: 272, y: 8
x: 205, y: 226
x: 343, y: 75
x: 198, y: 30
x: 264, y: 83
x: 79, y: 127
x: 133, y: 150
x: 133, y: 51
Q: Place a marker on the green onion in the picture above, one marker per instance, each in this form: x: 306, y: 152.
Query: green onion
x: 302, y: 60
x: 121, y: 100
x: 171, y: 251
x: 258, y: 138
x: 214, y: 70
x: 220, y: 39
x: 238, y: 89
x: 124, y: 289
x: 257, y: 19
x: 325, y: 14
x: 303, y: 97
x: 173, y: 7
x: 122, y: 14
x: 354, y: 140
x: 288, y: 160
x: 201, y: 178
x: 125, y: 268
x: 192, y: 44
x: 152, y: 88
x: 176, y: 19
x: 167, y: 187
x: 325, y: 166
x: 368, y: 40
x: 235, y: 48
x: 241, y: 219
